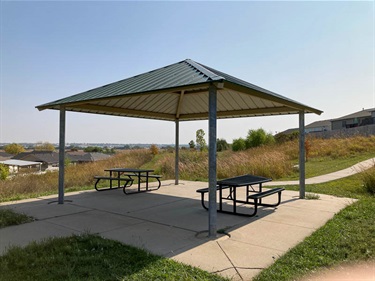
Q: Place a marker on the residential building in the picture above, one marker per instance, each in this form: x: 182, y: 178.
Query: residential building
x: 17, y: 166
x: 84, y: 157
x: 49, y: 159
x: 318, y: 126
x: 357, y: 119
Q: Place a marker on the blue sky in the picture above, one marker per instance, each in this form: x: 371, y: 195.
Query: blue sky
x: 317, y: 53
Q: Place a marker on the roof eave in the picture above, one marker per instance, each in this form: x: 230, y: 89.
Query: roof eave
x: 275, y: 98
x: 58, y: 103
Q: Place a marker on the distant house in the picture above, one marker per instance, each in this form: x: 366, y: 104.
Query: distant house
x: 16, y: 166
x: 85, y: 157
x: 5, y: 156
x: 318, y: 126
x: 357, y: 119
x: 48, y: 159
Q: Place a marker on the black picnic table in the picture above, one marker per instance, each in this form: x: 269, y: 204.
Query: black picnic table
x: 253, y: 195
x: 126, y: 175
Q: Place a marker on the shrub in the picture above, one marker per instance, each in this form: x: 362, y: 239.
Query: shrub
x: 154, y: 149
x: 192, y: 144
x: 258, y: 137
x: 14, y: 148
x: 44, y: 146
x: 368, y: 178
x: 221, y: 145
x: 4, y: 171
x: 238, y: 144
x: 93, y: 149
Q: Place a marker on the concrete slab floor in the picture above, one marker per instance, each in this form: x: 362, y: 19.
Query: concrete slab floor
x: 171, y: 222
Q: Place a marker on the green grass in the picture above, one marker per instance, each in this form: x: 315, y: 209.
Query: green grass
x: 347, y: 237
x: 325, y: 165
x: 351, y: 187
x: 90, y: 257
x: 8, y: 218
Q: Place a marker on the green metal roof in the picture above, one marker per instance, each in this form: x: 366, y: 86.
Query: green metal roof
x: 179, y: 91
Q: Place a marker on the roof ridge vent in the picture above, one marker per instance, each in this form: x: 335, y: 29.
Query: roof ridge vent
x: 211, y: 75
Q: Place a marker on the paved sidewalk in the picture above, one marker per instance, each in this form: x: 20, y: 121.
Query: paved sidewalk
x: 171, y: 222
x: 364, y: 165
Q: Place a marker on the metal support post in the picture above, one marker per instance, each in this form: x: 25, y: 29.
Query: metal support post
x: 177, y: 149
x: 212, y: 220
x: 301, y: 155
x: 61, y: 156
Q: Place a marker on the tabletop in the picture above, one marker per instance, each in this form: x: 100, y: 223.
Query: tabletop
x: 129, y: 170
x: 243, y: 180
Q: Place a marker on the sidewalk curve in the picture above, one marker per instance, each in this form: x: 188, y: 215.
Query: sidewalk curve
x: 357, y: 168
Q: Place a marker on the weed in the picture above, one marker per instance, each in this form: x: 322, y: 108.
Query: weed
x: 8, y: 218
x: 368, y: 178
x: 312, y: 196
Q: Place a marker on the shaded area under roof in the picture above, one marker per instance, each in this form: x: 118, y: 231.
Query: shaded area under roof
x: 180, y: 92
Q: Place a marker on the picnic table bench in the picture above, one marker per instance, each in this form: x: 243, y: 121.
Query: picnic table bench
x: 128, y: 182
x: 253, y: 196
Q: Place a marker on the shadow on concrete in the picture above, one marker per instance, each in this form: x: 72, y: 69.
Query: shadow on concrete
x: 171, y: 222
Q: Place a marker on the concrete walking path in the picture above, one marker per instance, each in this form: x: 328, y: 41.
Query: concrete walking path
x: 364, y: 165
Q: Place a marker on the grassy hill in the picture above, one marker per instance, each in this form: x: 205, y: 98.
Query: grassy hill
x: 346, y: 238
x: 275, y: 161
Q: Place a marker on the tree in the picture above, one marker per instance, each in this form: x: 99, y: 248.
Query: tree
x: 192, y: 144
x: 258, y: 137
x: 44, y: 146
x: 93, y: 149
x: 4, y: 171
x: 14, y: 148
x: 200, y: 140
x: 154, y: 149
x: 221, y: 145
x: 238, y: 144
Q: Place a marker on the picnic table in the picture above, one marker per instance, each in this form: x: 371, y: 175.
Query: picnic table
x: 127, y: 176
x: 253, y: 193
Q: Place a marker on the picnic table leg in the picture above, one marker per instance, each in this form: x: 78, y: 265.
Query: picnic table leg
x: 146, y: 181
x: 139, y: 182
x: 118, y: 181
x: 221, y: 198
x: 234, y: 200
x: 260, y: 190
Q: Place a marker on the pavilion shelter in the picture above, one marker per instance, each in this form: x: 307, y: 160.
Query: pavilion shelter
x: 183, y: 91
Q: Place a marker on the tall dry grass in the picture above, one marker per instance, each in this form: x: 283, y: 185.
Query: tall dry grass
x: 368, y: 178
x: 273, y: 161
x: 75, y: 176
x: 343, y: 147
x: 193, y: 165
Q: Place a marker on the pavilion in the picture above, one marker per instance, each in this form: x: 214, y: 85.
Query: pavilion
x: 183, y: 91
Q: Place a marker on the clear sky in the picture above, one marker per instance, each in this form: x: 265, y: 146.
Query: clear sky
x: 317, y: 53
